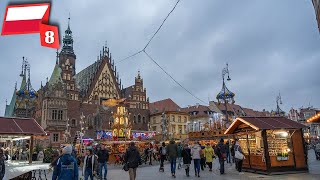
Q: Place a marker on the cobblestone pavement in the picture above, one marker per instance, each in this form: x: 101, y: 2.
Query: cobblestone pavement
x: 146, y: 172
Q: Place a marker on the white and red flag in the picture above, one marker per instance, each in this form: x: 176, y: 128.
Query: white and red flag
x: 25, y: 19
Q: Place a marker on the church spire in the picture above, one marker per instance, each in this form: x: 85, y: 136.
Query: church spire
x: 68, y: 40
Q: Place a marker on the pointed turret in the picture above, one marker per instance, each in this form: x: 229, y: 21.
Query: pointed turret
x: 68, y: 41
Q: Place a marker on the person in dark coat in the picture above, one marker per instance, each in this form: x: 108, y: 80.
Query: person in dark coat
x: 172, y: 151
x: 186, y: 155
x: 163, y: 154
x: 232, y: 151
x: 103, y: 157
x: 2, y: 165
x: 133, y: 159
x: 220, y: 152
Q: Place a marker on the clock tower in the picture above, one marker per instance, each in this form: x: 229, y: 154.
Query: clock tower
x: 67, y: 63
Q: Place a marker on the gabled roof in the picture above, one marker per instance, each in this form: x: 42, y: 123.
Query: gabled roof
x: 20, y: 126
x: 163, y: 106
x: 56, y: 75
x: 85, y: 77
x: 264, y: 123
x: 200, y: 109
x: 231, y: 107
x: 126, y: 92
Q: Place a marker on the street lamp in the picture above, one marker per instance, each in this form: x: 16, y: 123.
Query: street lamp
x: 225, y: 95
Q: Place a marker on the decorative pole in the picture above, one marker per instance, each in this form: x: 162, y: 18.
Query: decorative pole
x: 226, y: 96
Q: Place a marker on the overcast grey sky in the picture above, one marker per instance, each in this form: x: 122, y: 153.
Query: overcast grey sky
x: 270, y: 46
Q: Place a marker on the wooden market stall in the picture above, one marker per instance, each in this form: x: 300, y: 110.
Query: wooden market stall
x: 271, y: 145
x: 12, y: 129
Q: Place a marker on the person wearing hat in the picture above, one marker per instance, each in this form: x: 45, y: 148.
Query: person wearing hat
x: 2, y: 165
x: 67, y: 167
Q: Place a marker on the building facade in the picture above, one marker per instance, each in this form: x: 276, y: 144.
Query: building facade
x: 69, y: 103
x: 168, y: 120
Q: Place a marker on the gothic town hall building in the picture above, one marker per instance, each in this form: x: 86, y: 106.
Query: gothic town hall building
x: 70, y: 101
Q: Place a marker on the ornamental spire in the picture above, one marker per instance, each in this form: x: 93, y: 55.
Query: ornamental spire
x: 68, y: 40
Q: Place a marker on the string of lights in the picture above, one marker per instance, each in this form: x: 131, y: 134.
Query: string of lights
x: 155, y: 62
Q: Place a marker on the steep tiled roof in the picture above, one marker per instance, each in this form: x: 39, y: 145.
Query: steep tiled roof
x: 126, y: 92
x: 20, y: 126
x: 231, y: 107
x: 56, y: 75
x: 200, y: 109
x: 163, y: 105
x: 85, y: 77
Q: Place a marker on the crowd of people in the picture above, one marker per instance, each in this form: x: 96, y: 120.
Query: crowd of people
x: 94, y: 164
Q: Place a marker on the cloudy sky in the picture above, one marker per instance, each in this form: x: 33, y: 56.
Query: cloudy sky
x: 271, y: 46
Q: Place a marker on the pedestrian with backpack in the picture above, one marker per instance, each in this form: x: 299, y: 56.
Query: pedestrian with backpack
x: 67, y: 167
x: 163, y: 155
x: 221, y: 153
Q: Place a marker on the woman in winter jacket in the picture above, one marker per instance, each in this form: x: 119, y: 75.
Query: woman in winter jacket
x: 186, y: 155
x: 195, y: 154
x: 209, y: 153
x: 90, y: 165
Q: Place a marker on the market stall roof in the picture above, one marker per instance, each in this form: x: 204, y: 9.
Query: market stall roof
x: 261, y: 123
x: 20, y: 126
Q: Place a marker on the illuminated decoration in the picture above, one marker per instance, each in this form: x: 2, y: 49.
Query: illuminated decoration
x: 112, y: 102
x: 121, y: 127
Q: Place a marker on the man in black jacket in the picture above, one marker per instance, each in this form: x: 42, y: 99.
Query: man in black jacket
x: 103, y: 157
x: 132, y: 158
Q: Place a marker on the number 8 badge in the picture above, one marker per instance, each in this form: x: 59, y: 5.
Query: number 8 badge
x: 49, y: 36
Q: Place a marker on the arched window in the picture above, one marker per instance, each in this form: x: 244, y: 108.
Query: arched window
x: 139, y: 118
x: 73, y: 122
x: 144, y: 120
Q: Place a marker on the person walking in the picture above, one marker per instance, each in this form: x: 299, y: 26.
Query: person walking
x: 172, y: 151
x: 239, y: 156
x: 195, y: 154
x: 66, y: 167
x: 232, y: 151
x: 202, y: 158
x: 180, y: 149
x: 209, y: 153
x: 90, y: 165
x: 132, y: 159
x: 220, y: 152
x: 163, y: 155
x: 186, y: 155
x: 103, y: 157
x: 2, y: 165
x: 228, y: 152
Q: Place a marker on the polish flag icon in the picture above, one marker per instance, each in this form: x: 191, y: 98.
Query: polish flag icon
x: 25, y: 19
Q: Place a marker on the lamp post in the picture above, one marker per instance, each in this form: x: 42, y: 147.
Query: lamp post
x: 81, y: 132
x: 226, y: 96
